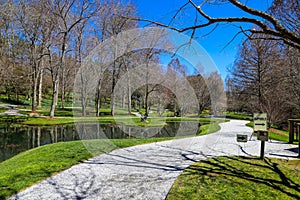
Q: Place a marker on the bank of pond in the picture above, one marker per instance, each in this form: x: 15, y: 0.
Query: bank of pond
x: 19, y: 138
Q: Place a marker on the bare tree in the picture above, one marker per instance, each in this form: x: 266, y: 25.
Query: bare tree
x: 69, y: 14
x: 260, y: 76
x: 201, y: 91
x: 216, y: 91
x: 32, y: 21
x: 176, y: 71
x: 110, y: 24
x: 292, y: 82
x: 277, y: 23
x: 12, y: 71
x: 253, y: 70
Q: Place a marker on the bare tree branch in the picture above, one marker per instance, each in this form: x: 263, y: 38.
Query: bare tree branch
x: 268, y: 24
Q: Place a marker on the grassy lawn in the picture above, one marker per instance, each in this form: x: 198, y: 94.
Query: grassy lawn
x: 127, y: 120
x: 209, y: 128
x: 239, y: 178
x: 47, y: 121
x: 232, y: 115
x: 37, y: 164
x: 2, y: 110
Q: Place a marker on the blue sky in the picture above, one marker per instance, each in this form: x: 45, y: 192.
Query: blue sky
x: 216, y: 43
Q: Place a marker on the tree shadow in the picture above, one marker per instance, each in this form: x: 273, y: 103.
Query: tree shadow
x: 295, y: 149
x: 217, y: 166
x: 81, y: 187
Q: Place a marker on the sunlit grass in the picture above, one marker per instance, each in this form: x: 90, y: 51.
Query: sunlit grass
x: 239, y: 178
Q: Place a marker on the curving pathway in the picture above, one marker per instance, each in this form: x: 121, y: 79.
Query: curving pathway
x: 148, y: 171
x: 11, y: 110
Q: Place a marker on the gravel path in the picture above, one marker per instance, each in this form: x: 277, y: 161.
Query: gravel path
x: 148, y: 171
x: 11, y: 110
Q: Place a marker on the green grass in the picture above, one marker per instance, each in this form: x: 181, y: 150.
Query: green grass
x: 37, y: 164
x: 279, y: 137
x: 43, y: 121
x: 5, y: 100
x: 241, y: 116
x: 2, y: 110
x: 127, y: 120
x: 210, y: 125
x: 12, y: 119
x: 59, y: 112
x: 250, y: 124
x: 136, y: 121
x: 47, y: 121
x: 209, y: 128
x: 239, y: 178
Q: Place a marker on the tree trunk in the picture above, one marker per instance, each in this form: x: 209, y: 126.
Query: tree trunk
x: 83, y: 107
x: 123, y: 98
x: 63, y: 88
x: 159, y: 108
x: 112, y: 104
x: 199, y: 109
x: 112, y: 98
x: 147, y: 91
x: 129, y: 96
x: 83, y: 96
x: 40, y: 89
x: 34, y: 92
x: 54, y: 98
x: 98, y: 99
x: 146, y: 100
x: 56, y: 93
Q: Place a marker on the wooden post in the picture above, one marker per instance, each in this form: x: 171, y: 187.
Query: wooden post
x: 298, y: 131
x: 291, y: 131
x: 262, y: 136
x: 262, y: 150
x: 298, y: 138
x: 299, y: 146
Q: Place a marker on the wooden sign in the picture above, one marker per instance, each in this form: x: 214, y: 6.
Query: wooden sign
x: 263, y: 135
x: 260, y: 121
x: 241, y: 138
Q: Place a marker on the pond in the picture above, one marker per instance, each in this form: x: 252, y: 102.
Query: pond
x: 14, y: 140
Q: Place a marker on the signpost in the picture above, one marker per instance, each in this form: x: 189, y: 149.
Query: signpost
x: 260, y: 126
x: 241, y: 138
x: 263, y: 135
x: 260, y: 121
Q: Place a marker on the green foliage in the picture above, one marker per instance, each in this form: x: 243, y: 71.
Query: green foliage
x: 239, y: 178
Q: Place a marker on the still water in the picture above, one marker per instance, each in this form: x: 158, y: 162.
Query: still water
x: 14, y: 140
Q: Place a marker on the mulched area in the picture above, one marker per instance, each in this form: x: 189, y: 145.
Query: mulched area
x: 277, y: 131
